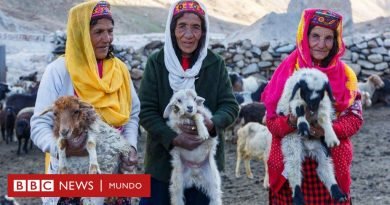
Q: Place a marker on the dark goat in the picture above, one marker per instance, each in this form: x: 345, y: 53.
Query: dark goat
x: 382, y: 94
x: 3, y: 90
x: 237, y: 82
x: 2, y: 123
x: 252, y: 112
x: 10, y: 116
x: 20, y: 101
x: 22, y: 128
x: 30, y: 77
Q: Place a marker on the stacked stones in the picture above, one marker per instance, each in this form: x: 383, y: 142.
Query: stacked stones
x: 368, y: 54
x: 245, y: 58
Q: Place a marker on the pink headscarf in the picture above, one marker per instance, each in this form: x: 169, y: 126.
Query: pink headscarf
x: 342, y: 78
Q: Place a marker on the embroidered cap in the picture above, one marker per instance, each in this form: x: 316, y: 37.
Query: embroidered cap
x: 101, y: 10
x: 188, y: 6
x: 326, y: 18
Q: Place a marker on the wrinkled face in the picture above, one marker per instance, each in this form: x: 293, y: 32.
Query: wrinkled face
x: 101, y: 37
x: 320, y: 43
x: 188, y: 32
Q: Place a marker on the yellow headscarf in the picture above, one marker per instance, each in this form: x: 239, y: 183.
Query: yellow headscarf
x: 110, y: 95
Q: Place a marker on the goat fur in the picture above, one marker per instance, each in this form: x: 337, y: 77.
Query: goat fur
x: 254, y: 141
x: 109, y: 143
x: 195, y: 167
x: 309, y: 89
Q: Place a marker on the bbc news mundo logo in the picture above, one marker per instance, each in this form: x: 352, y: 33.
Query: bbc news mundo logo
x: 33, y: 185
x: 78, y: 185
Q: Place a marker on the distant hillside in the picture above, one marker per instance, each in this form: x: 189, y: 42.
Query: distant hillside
x: 132, y: 16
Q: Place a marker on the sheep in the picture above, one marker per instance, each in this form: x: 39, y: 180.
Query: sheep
x: 3, y: 118
x: 374, y: 82
x: 309, y: 90
x: 196, y: 167
x: 254, y: 141
x: 77, y: 121
x: 22, y: 128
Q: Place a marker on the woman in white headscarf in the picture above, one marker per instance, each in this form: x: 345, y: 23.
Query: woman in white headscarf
x: 185, y: 62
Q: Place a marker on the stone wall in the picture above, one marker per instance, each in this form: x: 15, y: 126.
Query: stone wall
x: 365, y: 54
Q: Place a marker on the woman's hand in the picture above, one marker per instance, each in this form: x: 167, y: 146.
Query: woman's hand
x: 187, y: 141
x: 129, y: 162
x: 316, y: 131
x: 76, y: 148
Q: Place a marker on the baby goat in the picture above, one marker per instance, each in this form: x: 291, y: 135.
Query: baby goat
x: 192, y: 167
x: 254, y: 141
x: 367, y: 89
x: 309, y: 89
x: 77, y: 122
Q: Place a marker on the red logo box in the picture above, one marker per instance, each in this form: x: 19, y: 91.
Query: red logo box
x: 78, y: 185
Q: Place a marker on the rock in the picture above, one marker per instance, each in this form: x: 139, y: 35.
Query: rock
x: 356, y: 68
x: 247, y: 44
x: 248, y: 54
x: 381, y: 66
x: 379, y: 41
x: 362, y: 45
x: 365, y: 64
x: 256, y: 51
x: 264, y: 46
x: 238, y: 57
x: 386, y: 43
x: 240, y: 64
x: 286, y: 49
x: 252, y: 68
x: 264, y: 64
x: 372, y: 44
x: 266, y: 56
x: 375, y: 58
x: 379, y: 50
x: 355, y: 57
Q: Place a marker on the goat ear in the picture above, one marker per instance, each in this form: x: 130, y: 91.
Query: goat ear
x: 199, y: 100
x: 329, y: 91
x: 297, y: 86
x: 168, y: 109
x: 49, y: 109
x: 85, y: 105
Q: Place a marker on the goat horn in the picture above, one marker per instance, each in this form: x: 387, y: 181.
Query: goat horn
x: 49, y: 109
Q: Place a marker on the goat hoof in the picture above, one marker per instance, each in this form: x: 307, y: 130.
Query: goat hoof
x: 337, y: 194
x: 94, y: 169
x: 238, y: 175
x: 250, y: 176
x: 298, y: 196
x: 63, y: 170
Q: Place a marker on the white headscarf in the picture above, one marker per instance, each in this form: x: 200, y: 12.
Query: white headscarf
x: 178, y: 78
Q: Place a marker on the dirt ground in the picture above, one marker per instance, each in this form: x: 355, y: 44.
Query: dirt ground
x: 370, y: 169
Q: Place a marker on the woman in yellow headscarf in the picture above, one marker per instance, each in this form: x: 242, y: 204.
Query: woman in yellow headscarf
x: 90, y: 71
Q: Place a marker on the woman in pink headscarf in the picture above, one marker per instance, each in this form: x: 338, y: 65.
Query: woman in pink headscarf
x: 319, y: 46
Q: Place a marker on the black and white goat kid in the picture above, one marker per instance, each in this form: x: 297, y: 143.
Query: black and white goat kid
x: 195, y: 167
x: 308, y: 90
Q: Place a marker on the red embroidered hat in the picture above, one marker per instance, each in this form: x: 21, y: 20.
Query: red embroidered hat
x: 188, y: 6
x: 326, y: 18
x: 101, y: 10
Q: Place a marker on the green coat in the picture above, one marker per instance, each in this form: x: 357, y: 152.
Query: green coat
x: 155, y: 92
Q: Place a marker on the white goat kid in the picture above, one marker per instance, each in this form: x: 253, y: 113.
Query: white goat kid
x: 254, y: 141
x: 309, y: 89
x: 196, y: 167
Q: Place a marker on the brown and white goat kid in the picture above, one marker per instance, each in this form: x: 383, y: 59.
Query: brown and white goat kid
x: 72, y: 119
x: 254, y: 141
x: 309, y: 90
x: 195, y: 167
x: 367, y: 89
